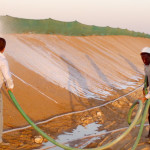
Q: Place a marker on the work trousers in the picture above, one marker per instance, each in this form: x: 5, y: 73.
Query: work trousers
x: 1, y: 117
x: 149, y: 116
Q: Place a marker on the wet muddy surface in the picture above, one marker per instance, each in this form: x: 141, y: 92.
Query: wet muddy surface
x: 80, y: 85
x: 87, y: 129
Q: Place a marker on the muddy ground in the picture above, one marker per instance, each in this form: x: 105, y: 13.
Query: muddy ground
x: 113, y: 116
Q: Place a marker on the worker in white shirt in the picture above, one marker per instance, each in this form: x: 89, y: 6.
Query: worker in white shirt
x: 145, y: 55
x: 5, y: 76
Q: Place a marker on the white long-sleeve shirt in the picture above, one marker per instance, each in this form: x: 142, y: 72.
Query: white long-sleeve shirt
x: 5, y: 75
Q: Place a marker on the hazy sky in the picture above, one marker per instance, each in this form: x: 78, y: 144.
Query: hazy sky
x: 130, y: 14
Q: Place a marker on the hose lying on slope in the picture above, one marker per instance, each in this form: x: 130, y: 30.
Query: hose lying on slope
x: 70, y: 148
x: 143, y: 117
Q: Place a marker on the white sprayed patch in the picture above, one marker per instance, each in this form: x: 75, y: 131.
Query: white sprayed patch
x: 47, y: 65
x: 79, y: 69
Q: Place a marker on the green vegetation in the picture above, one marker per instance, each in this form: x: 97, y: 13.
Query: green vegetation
x: 50, y: 26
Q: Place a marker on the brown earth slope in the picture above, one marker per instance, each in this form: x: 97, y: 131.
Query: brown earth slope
x: 56, y: 74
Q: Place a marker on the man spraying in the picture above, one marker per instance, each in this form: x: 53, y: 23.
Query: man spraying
x: 5, y: 76
x: 145, y: 55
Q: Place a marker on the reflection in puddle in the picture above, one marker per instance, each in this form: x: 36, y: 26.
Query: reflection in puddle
x: 73, y: 138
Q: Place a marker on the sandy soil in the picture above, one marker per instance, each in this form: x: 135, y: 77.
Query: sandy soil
x: 113, y: 116
x: 122, y: 52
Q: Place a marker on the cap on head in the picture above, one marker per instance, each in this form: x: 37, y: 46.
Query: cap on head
x: 145, y: 50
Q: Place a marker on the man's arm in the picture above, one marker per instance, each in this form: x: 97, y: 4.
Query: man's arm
x: 145, y: 94
x: 7, y: 75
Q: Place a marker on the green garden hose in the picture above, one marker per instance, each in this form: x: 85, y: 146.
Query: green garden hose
x: 147, y: 104
x: 143, y: 117
x: 70, y: 148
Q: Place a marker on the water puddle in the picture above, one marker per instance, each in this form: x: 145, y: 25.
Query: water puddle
x: 77, y: 137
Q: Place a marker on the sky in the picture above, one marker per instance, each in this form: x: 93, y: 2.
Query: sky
x: 127, y: 14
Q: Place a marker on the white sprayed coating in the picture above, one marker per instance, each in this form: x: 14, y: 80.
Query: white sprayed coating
x: 82, y: 69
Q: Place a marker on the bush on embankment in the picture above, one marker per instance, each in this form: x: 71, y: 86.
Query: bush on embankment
x: 49, y: 26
